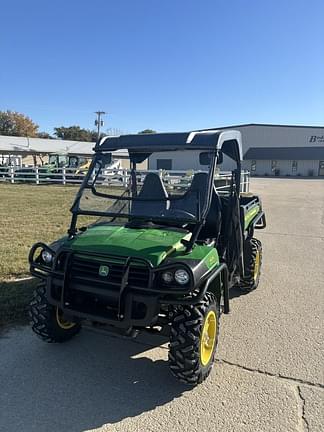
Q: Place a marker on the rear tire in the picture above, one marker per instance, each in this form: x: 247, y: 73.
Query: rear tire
x: 47, y: 321
x: 252, y: 264
x: 192, y: 346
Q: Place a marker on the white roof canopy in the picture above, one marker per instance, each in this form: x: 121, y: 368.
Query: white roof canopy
x: 25, y: 146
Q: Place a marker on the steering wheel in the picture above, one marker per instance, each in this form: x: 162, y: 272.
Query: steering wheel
x: 179, y: 212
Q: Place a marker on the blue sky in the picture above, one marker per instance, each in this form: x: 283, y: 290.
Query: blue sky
x: 163, y: 64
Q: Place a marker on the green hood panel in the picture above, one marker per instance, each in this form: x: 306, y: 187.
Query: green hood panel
x: 150, y: 243
x: 203, y: 253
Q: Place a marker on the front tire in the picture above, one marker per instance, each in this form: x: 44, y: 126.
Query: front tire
x: 47, y: 320
x: 193, y: 340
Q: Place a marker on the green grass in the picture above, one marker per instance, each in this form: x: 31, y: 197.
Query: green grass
x: 28, y: 214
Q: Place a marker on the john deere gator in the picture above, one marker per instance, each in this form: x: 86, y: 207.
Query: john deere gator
x: 156, y: 257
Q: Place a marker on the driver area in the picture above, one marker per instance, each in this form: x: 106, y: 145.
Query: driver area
x: 186, y: 205
x: 152, y: 189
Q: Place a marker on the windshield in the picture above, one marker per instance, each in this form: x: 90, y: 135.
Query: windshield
x: 57, y: 160
x: 157, y: 196
x: 73, y: 162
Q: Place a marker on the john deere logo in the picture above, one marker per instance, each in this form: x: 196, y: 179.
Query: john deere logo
x: 103, y: 270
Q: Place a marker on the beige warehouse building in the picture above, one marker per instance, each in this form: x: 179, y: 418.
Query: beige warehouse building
x: 268, y: 149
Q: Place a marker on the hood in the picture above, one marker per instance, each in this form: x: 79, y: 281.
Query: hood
x: 154, y: 244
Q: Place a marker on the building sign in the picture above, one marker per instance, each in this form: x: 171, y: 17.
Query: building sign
x: 316, y: 139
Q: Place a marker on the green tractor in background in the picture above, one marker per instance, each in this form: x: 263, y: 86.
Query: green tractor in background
x: 158, y: 257
x: 52, y: 170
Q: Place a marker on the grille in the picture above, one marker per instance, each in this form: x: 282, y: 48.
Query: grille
x: 87, y: 270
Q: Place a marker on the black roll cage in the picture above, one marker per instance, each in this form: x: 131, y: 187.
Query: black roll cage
x: 204, y: 140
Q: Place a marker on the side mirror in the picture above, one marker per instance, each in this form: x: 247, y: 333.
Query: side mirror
x: 106, y: 159
x: 220, y: 158
x: 204, y: 158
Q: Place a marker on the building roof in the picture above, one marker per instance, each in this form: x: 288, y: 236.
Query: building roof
x: 25, y: 145
x: 269, y: 125
x: 285, y: 153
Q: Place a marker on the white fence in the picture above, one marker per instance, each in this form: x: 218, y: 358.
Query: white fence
x: 110, y: 177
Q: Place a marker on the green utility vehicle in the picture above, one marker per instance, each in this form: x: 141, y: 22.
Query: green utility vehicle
x: 159, y: 258
x: 53, y: 169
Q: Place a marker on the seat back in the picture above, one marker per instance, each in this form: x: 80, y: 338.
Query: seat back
x: 153, y: 188
x: 189, y: 201
x: 199, y: 187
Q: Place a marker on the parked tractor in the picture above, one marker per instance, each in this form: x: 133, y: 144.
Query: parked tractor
x: 53, y: 169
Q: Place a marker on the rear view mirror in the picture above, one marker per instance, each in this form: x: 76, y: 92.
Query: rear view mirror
x: 205, y: 158
x: 219, y: 158
x: 106, y: 159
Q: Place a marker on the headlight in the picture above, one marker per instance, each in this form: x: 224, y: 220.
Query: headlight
x: 47, y: 257
x: 181, y: 276
x: 167, y: 277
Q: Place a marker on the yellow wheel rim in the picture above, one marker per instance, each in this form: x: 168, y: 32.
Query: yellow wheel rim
x: 256, y: 266
x: 208, y: 337
x: 63, y: 323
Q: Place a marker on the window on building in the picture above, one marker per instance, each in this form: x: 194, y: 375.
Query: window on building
x: 273, y: 165
x: 253, y: 165
x: 294, y: 166
x: 165, y: 164
x: 321, y: 168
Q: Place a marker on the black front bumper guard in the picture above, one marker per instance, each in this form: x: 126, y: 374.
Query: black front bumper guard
x: 150, y: 295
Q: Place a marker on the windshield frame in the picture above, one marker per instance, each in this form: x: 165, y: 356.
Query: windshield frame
x: 87, y: 183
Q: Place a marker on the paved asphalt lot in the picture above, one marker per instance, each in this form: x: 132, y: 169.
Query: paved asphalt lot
x: 268, y: 377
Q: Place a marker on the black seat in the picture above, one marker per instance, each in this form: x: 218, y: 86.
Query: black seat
x: 189, y: 203
x: 153, y: 188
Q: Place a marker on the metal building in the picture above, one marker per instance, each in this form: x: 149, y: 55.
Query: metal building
x: 288, y: 161
x: 21, y: 150
x: 268, y: 149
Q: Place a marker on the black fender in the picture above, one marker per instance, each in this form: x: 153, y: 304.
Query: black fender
x: 259, y: 222
x: 221, y: 270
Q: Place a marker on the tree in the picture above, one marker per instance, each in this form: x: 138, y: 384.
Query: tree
x: 94, y: 135
x: 147, y: 131
x: 44, y: 135
x: 13, y: 123
x: 75, y: 133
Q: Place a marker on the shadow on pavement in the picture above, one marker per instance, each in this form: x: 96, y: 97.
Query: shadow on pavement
x: 83, y: 384
x: 15, y: 295
x: 235, y: 292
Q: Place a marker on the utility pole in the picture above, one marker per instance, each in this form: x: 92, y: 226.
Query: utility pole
x: 99, y: 122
